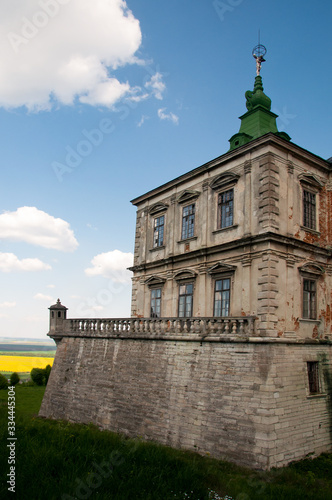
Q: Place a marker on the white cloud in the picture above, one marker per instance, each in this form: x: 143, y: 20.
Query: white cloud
x: 112, y: 265
x: 142, y: 120
x: 10, y: 263
x: 57, y: 51
x: 36, y: 227
x: 50, y: 286
x: 7, y: 304
x: 156, y: 85
x: 42, y: 296
x: 170, y: 116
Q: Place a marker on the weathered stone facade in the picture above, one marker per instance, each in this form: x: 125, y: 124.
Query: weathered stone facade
x: 266, y: 250
x: 248, y: 402
x: 228, y: 349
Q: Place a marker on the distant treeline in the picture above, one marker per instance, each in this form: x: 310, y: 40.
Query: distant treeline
x: 26, y: 347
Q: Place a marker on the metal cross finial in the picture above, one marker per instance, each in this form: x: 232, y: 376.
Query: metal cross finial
x: 259, y: 52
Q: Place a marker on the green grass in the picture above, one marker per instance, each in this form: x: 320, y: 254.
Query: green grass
x: 23, y: 375
x: 41, y: 354
x: 57, y: 461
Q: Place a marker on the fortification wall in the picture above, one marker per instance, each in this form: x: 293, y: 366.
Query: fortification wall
x: 245, y: 401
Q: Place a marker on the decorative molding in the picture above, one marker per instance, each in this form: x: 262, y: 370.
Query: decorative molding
x: 205, y: 185
x: 185, y: 274
x: 247, y: 167
x: 224, y: 180
x: 290, y: 167
x: 188, y: 195
x: 154, y: 281
x: 312, y: 268
x: 221, y: 267
x: 312, y: 180
x: 158, y: 208
x: 246, y: 260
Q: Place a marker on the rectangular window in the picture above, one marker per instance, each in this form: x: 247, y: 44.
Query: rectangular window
x: 225, y: 209
x: 222, y: 290
x: 155, y: 303
x: 186, y: 300
x: 313, y: 377
x: 309, y: 299
x: 188, y: 221
x: 309, y: 209
x: 158, y: 231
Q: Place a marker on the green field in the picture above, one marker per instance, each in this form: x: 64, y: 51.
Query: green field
x: 50, y: 353
x: 24, y: 347
x: 61, y: 461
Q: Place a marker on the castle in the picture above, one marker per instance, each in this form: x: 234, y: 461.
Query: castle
x: 228, y: 348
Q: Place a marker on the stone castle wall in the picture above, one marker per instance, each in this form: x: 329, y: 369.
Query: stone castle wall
x: 245, y: 401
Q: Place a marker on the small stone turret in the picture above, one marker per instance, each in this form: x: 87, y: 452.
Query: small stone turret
x: 58, y: 313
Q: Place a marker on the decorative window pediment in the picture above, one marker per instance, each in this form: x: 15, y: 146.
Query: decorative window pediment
x: 221, y: 267
x: 155, y: 281
x: 310, y: 268
x: 311, y: 180
x: 188, y: 196
x: 185, y: 274
x: 158, y: 208
x: 224, y: 180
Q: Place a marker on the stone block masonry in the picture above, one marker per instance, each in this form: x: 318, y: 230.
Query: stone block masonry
x: 244, y: 400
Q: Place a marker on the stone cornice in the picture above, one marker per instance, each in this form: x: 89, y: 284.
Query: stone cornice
x: 267, y: 237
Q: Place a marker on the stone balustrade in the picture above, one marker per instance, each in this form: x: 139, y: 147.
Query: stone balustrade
x: 151, y: 327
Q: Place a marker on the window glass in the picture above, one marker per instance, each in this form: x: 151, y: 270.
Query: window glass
x: 222, y: 297
x: 313, y: 377
x: 188, y: 221
x: 309, y: 209
x: 155, y: 303
x: 158, y: 231
x: 225, y: 209
x: 186, y: 300
x: 309, y: 299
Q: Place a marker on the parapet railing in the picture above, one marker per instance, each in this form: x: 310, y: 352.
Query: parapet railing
x: 243, y: 325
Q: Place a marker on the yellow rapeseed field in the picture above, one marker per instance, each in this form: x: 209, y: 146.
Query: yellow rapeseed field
x: 23, y: 363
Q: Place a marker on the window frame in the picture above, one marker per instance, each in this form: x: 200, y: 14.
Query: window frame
x: 309, y: 208
x: 313, y: 374
x: 185, y: 284
x: 221, y: 205
x: 215, y: 291
x: 309, y: 307
x: 186, y: 221
x: 159, y: 241
x: 155, y: 300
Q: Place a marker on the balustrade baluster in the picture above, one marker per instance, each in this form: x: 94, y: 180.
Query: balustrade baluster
x: 226, y: 321
x: 234, y: 328
x: 241, y: 330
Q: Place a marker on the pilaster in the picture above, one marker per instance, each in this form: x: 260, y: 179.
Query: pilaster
x: 268, y: 194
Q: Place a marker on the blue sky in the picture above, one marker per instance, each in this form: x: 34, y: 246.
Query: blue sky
x: 102, y: 101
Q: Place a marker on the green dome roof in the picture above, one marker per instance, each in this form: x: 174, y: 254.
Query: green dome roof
x: 257, y: 97
x: 259, y: 119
